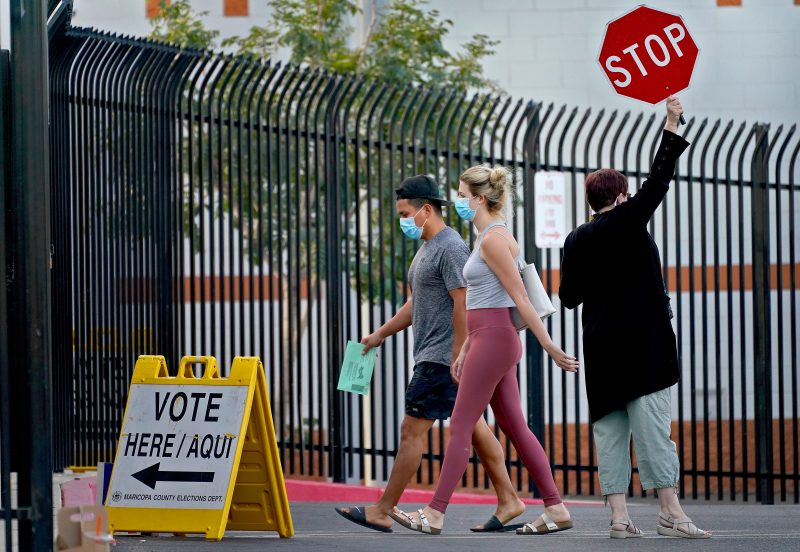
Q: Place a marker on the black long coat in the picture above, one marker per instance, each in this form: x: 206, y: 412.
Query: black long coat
x: 612, y: 266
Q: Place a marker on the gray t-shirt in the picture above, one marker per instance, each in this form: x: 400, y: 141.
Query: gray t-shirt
x: 436, y: 270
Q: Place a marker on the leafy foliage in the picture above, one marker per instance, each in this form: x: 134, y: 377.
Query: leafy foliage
x: 403, y: 44
x: 408, y: 47
x: 177, y: 24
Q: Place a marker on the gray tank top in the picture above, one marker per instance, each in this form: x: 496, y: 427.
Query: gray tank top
x: 484, y: 288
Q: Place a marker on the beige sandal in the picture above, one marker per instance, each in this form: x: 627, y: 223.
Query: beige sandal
x: 547, y: 526
x: 692, y: 533
x: 423, y: 526
x: 630, y: 531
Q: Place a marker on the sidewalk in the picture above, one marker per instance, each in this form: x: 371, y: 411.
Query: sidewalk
x: 737, y: 528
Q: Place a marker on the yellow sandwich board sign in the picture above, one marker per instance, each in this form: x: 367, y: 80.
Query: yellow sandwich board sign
x: 198, y: 455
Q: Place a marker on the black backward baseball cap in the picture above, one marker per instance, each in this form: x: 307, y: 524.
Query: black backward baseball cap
x: 420, y: 186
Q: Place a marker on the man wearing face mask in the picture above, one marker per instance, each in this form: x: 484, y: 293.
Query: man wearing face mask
x: 436, y: 309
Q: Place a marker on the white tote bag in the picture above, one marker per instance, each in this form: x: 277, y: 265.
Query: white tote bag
x: 536, y: 293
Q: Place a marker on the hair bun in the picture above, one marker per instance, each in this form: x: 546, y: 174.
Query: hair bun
x: 495, y: 184
x: 498, y: 176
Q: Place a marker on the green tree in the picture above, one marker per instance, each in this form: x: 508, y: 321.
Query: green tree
x: 403, y: 44
x: 176, y: 23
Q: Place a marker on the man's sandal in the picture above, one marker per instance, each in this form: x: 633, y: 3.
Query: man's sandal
x: 630, y: 531
x: 494, y: 525
x: 358, y: 515
x: 546, y: 526
x: 423, y: 526
x: 673, y: 531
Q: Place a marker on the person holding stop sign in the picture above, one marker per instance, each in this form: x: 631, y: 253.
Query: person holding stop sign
x: 612, y: 266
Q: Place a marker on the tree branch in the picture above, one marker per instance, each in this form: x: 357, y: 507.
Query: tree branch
x: 370, y: 29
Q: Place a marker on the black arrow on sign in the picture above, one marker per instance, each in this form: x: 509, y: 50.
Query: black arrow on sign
x: 152, y: 475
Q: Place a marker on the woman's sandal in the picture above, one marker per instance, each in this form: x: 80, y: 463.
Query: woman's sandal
x: 423, y: 526
x: 692, y: 533
x: 630, y: 531
x: 494, y: 525
x: 547, y: 526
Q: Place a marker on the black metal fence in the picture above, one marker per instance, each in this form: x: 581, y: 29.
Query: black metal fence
x: 5, y: 376
x: 26, y: 468
x: 206, y: 204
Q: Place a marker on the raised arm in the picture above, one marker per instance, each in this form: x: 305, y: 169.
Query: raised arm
x: 641, y: 206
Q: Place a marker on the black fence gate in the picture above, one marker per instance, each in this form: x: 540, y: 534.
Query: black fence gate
x: 206, y: 204
x: 26, y: 467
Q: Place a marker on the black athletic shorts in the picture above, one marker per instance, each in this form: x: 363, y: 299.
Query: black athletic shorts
x: 431, y: 393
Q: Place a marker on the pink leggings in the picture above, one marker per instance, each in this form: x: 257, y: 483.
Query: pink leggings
x: 489, y: 376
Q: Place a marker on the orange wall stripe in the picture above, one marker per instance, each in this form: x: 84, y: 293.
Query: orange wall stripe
x: 153, y: 7
x: 236, y: 8
x: 672, y: 272
x: 233, y: 288
x: 733, y: 2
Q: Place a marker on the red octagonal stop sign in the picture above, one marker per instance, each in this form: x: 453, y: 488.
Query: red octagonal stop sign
x: 648, y: 54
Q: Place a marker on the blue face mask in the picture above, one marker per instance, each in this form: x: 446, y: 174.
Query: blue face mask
x: 409, y: 227
x: 463, y: 209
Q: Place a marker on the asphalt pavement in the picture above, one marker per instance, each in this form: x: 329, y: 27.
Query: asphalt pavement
x: 735, y: 527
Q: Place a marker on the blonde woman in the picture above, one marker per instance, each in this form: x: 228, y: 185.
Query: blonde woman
x: 486, y: 365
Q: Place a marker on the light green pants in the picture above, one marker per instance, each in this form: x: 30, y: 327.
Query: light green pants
x: 648, y: 419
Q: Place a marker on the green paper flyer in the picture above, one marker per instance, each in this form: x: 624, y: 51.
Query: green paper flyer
x: 357, y: 369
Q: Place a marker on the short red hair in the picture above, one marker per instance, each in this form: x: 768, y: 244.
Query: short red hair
x: 603, y: 186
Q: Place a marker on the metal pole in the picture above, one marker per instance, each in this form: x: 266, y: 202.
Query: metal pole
x: 5, y: 410
x: 761, y: 315
x: 31, y: 346
x: 333, y: 215
x: 533, y: 349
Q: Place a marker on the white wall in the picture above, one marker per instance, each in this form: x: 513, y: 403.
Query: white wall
x: 730, y: 362
x: 118, y: 16
x: 747, y: 68
x: 129, y: 16
x: 5, y: 33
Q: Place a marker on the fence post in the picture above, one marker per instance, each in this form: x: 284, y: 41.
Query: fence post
x: 164, y: 208
x: 31, y: 343
x: 5, y: 409
x: 333, y: 214
x: 761, y: 315
x: 533, y: 350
